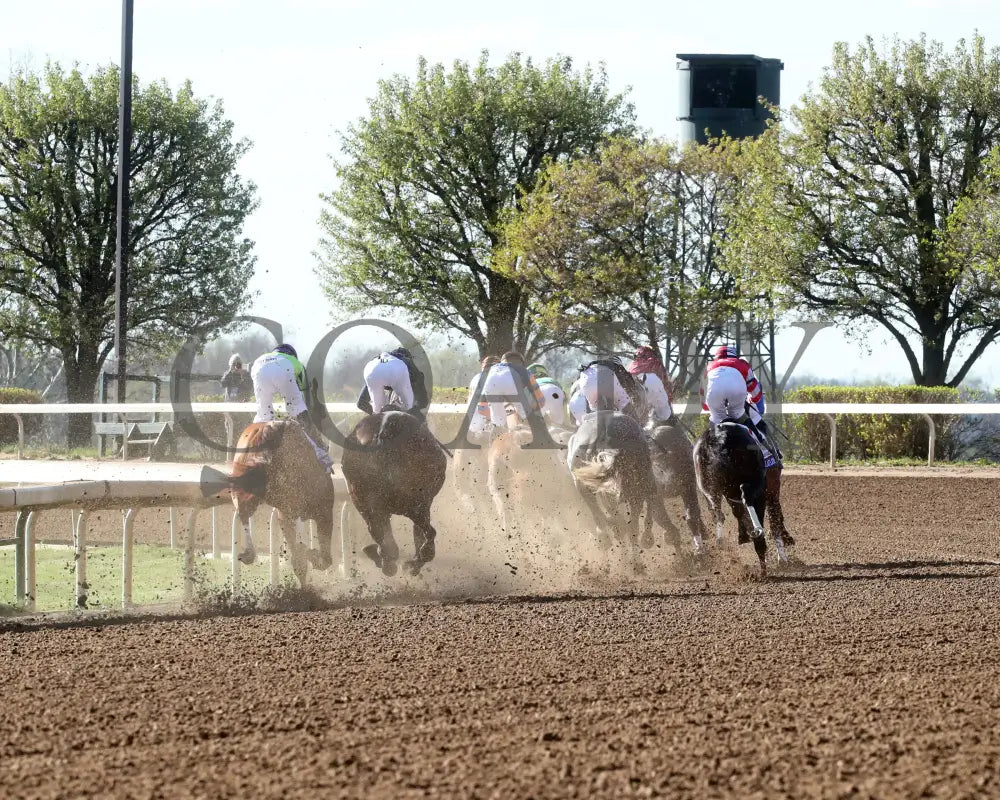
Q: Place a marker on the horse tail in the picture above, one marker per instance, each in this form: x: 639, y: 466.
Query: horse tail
x: 595, y: 473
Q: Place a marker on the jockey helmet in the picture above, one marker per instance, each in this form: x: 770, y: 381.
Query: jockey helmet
x: 401, y: 352
x: 287, y: 349
x: 538, y: 370
x: 235, y: 360
x: 727, y: 351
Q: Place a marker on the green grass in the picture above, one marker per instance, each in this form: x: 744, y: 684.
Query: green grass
x: 157, y: 577
x: 52, y: 451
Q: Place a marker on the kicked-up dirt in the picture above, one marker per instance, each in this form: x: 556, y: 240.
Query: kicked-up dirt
x: 866, y: 668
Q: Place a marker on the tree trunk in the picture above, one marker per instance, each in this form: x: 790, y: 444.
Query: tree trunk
x: 81, y: 378
x: 933, y: 369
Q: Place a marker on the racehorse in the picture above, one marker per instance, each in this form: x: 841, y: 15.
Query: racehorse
x: 394, y: 465
x: 275, y: 464
x: 672, y: 457
x: 609, y: 456
x: 729, y: 465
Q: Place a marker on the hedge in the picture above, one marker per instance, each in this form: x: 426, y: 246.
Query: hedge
x: 8, y: 425
x: 867, y: 436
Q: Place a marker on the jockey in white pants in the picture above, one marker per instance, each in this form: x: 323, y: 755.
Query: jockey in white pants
x: 396, y: 374
x: 280, y: 372
x: 732, y: 390
x: 648, y: 369
x: 383, y: 372
x: 598, y: 388
x: 554, y: 407
x: 480, y: 423
x: 501, y: 381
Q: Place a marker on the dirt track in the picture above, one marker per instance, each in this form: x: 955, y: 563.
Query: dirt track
x: 869, y: 669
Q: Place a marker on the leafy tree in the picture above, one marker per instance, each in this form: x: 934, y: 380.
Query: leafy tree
x: 428, y: 177
x: 875, y: 204
x: 623, y: 248
x: 189, y: 264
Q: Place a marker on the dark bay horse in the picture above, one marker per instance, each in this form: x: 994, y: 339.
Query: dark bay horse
x: 275, y: 464
x: 672, y: 456
x: 729, y: 466
x: 394, y: 465
x: 609, y: 457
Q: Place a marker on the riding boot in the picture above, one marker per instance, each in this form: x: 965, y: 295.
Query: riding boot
x: 315, y: 439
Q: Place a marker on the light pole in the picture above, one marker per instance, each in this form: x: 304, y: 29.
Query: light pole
x: 122, y: 215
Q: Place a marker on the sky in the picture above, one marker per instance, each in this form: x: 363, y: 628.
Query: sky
x: 295, y: 73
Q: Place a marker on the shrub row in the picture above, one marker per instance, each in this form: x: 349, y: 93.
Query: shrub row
x: 8, y: 425
x: 868, y: 436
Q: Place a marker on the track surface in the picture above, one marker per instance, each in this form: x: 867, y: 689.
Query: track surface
x: 869, y: 669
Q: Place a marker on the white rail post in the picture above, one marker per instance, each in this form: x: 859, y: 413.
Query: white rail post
x: 173, y: 539
x: 273, y: 548
x: 20, y: 558
x: 235, y: 553
x: 931, y: 439
x: 20, y: 436
x: 216, y: 544
x: 80, y: 548
x: 30, y: 562
x: 128, y: 549
x: 189, y: 554
x: 833, y: 440
x: 124, y: 437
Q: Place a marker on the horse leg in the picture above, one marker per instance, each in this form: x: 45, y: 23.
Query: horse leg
x: 692, y: 515
x: 245, y: 509
x: 751, y: 530
x: 322, y: 558
x: 600, y: 518
x: 384, y: 552
x: 296, y: 551
x: 772, y: 498
x: 424, y: 535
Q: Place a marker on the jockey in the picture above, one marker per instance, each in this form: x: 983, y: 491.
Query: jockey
x: 605, y: 385
x: 394, y: 371
x: 511, y: 377
x: 732, y: 391
x: 648, y: 369
x: 479, y: 425
x: 554, y: 408
x: 280, y: 372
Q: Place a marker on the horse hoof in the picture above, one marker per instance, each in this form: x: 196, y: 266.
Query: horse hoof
x: 247, y: 557
x: 413, y: 567
x: 319, y: 560
x: 787, y: 539
x: 389, y: 568
x: 372, y: 552
x: 646, y: 542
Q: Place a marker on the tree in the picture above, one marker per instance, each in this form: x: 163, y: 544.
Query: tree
x: 428, y: 177
x: 623, y: 248
x: 861, y: 208
x: 189, y: 264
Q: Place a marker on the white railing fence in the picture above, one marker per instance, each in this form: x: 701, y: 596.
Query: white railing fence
x: 829, y: 410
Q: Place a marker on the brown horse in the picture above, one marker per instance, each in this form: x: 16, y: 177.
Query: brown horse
x: 394, y: 465
x: 275, y: 464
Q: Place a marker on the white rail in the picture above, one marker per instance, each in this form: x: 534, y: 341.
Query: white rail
x: 829, y: 410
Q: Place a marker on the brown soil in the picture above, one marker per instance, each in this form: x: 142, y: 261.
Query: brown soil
x: 867, y: 669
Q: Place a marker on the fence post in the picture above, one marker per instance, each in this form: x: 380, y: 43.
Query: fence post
x: 931, y: 439
x: 833, y: 440
x: 80, y: 546
x: 29, y: 562
x: 20, y: 436
x: 128, y: 540
x: 189, y: 539
x: 20, y: 558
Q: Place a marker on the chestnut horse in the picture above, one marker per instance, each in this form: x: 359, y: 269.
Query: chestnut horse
x: 394, y: 465
x: 275, y: 464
